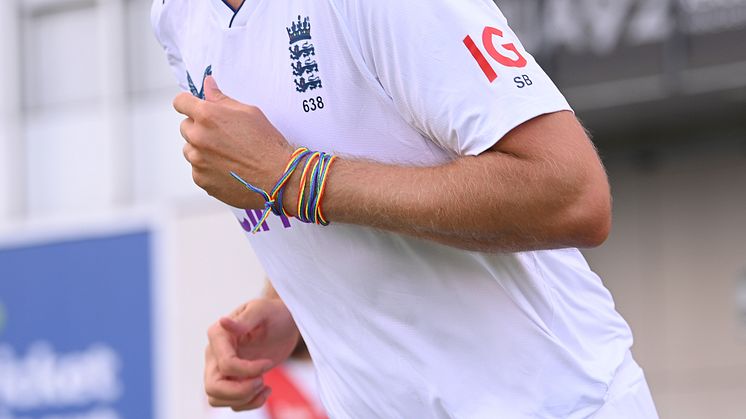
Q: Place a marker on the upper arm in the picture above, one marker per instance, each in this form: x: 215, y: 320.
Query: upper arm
x: 558, y: 137
x: 567, y: 173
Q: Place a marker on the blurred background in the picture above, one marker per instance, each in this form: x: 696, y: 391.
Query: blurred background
x: 113, y: 265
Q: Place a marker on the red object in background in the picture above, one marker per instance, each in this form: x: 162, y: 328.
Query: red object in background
x: 287, y: 401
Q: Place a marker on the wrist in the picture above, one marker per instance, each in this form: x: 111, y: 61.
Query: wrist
x: 306, y: 185
x: 335, y: 203
x: 277, y: 168
x: 290, y: 195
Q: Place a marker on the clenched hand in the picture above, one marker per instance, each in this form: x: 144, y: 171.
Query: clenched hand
x: 224, y: 135
x: 243, y: 346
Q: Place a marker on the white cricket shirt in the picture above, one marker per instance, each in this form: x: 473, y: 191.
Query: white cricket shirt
x: 400, y: 327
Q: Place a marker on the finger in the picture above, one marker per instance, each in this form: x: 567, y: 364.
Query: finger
x: 220, y: 387
x: 186, y: 104
x: 245, y: 319
x: 233, y: 404
x: 232, y: 366
x: 229, y: 364
x: 221, y: 403
x: 213, y: 92
x: 185, y: 128
x: 258, y: 401
x: 187, y: 151
x: 194, y: 157
x: 226, y: 392
x: 241, y: 327
x: 239, y: 392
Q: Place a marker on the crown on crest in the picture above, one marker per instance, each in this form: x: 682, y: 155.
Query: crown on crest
x: 300, y: 30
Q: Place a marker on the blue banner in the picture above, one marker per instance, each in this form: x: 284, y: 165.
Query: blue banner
x: 75, y: 329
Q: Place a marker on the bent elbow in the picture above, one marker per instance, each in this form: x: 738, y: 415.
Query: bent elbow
x: 597, y: 232
x: 590, y: 224
x: 595, y: 225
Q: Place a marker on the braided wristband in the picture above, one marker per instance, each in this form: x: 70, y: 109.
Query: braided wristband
x: 309, y: 206
x: 310, y: 192
x: 273, y: 201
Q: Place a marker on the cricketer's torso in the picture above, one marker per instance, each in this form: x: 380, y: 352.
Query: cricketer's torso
x: 398, y: 327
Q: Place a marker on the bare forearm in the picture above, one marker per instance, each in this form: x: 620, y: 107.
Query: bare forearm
x: 498, y: 201
x: 431, y: 202
x: 487, y: 203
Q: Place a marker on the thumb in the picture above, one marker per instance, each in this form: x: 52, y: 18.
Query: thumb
x: 241, y: 326
x: 212, y: 91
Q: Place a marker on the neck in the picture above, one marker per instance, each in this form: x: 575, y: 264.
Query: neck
x: 235, y: 4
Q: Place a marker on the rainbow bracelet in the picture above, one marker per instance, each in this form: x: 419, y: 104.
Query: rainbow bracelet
x: 313, y: 183
x: 309, y: 206
x: 273, y: 201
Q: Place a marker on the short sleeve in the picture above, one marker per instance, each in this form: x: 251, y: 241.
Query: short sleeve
x: 453, y: 68
x: 165, y: 32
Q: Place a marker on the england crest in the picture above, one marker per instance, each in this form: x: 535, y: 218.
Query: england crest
x: 303, y: 56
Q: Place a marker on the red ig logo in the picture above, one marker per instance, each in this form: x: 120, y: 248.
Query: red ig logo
x: 488, y: 41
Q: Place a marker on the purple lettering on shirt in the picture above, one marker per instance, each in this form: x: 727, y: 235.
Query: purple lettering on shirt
x: 258, y: 214
x: 285, y: 221
x: 249, y: 222
x: 246, y: 225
